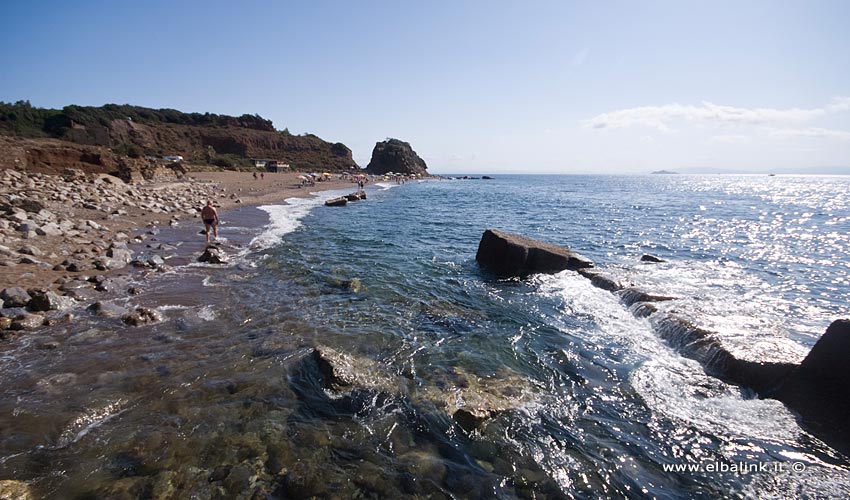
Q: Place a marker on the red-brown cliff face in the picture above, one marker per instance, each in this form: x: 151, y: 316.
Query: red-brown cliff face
x: 193, y: 143
x: 198, y: 138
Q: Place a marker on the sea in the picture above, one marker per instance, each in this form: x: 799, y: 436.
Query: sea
x: 226, y: 397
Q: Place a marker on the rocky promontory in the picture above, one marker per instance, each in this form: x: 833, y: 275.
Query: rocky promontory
x: 397, y: 157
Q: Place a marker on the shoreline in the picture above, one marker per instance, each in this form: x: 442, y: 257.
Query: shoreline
x: 64, y: 237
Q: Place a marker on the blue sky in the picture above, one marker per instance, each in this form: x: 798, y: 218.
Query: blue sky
x: 474, y: 86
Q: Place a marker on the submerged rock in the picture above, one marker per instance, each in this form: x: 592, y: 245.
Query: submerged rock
x: 471, y: 400
x: 141, y: 316
x: 108, y: 310
x: 27, y: 321
x: 15, y: 490
x: 343, y: 371
x: 509, y: 254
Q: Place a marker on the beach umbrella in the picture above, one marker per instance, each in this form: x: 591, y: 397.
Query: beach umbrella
x: 326, y: 174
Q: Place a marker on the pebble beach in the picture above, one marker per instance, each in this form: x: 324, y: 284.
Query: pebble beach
x: 63, y: 236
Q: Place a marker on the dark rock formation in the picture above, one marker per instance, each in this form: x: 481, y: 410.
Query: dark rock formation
x: 601, y: 280
x: 45, y: 300
x: 819, y: 389
x: 337, y: 202
x: 395, y: 156
x: 213, y: 255
x: 650, y: 258
x: 513, y: 255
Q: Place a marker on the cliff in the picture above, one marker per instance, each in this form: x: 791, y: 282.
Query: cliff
x: 199, y: 138
x: 395, y: 156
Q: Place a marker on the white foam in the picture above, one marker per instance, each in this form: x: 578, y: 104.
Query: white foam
x: 207, y: 313
x: 580, y: 298
x: 284, y: 219
x: 88, y: 421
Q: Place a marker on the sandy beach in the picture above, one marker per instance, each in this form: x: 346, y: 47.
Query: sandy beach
x: 110, y: 213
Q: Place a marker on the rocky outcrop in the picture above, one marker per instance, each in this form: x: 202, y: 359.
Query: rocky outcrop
x: 819, y: 388
x: 509, y: 254
x: 395, y: 156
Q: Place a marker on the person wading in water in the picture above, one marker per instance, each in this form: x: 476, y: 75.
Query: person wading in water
x: 210, y: 217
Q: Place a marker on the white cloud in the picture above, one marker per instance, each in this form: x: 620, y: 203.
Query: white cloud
x: 660, y: 117
x: 728, y: 139
x: 821, y: 133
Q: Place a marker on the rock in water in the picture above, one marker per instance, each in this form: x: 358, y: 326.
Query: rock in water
x: 45, y: 300
x: 650, y: 258
x: 395, y: 156
x: 819, y: 389
x: 213, y: 255
x: 141, y: 316
x: 513, y: 255
x: 344, y: 372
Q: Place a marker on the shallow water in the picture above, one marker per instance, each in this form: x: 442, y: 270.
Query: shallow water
x: 223, y: 399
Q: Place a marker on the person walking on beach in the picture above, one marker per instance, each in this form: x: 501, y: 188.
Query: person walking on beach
x: 210, y: 217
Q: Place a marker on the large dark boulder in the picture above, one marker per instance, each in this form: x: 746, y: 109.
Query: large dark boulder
x: 819, y: 389
x: 395, y: 156
x: 46, y: 300
x: 509, y: 254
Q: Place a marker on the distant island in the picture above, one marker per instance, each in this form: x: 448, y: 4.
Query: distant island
x: 665, y: 172
x: 812, y: 170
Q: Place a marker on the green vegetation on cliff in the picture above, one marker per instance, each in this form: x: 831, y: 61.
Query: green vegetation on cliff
x: 24, y: 120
